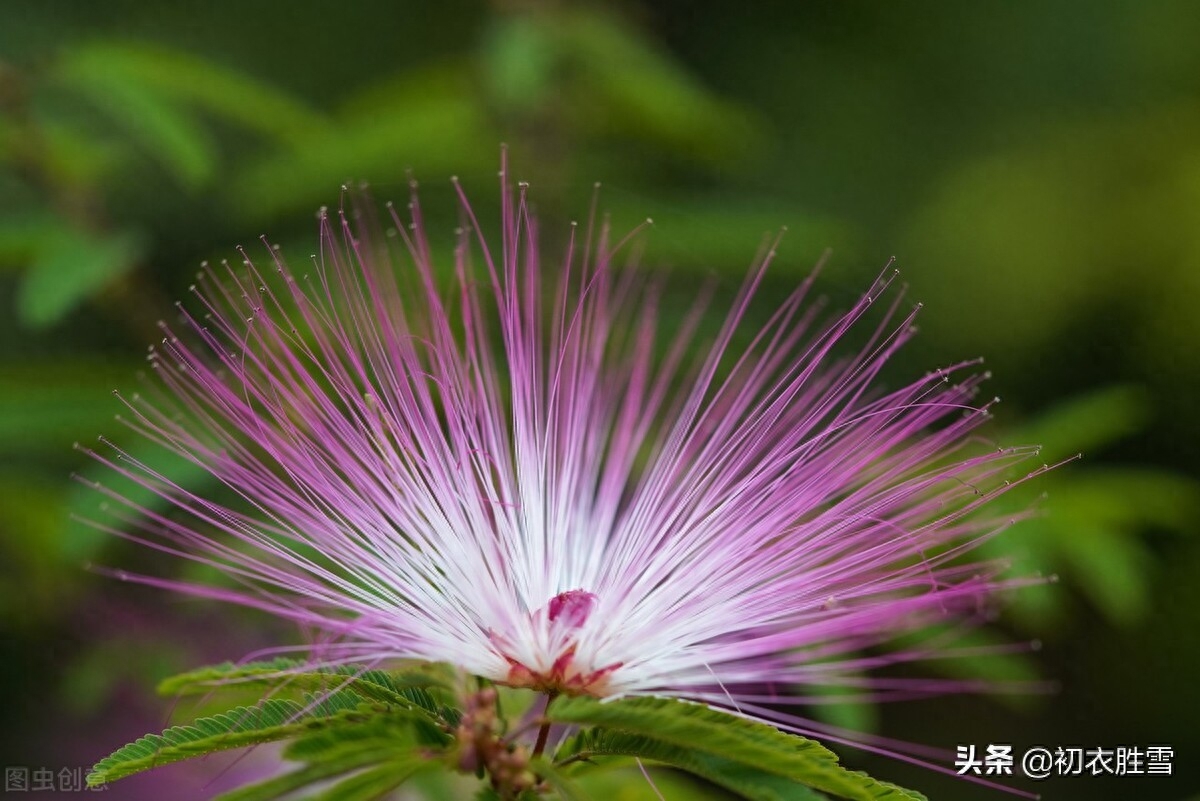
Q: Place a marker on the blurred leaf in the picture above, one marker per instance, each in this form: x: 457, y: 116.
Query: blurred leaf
x: 520, y: 56
x: 55, y: 403
x: 441, y: 784
x: 626, y: 783
x: 1040, y: 608
x: 627, y: 86
x: 187, y: 78
x: 1092, y: 535
x: 10, y: 140
x: 431, y: 118
x: 76, y: 157
x: 23, y: 235
x: 722, y: 235
x: 377, y: 781
x: 288, y: 783
x: 844, y: 711
x: 29, y: 509
x: 1015, y: 229
x: 1141, y: 496
x: 564, y: 786
x: 980, y: 654
x: 68, y: 268
x: 426, y: 783
x: 1125, y: 498
x: 165, y: 131
x: 988, y: 661
x: 1111, y: 567
x: 92, y: 679
x: 1087, y: 422
x: 585, y: 70
x: 1091, y: 531
x: 30, y: 579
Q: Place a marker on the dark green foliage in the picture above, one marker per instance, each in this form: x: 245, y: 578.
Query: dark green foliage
x: 747, y: 781
x: 753, y: 759
x: 364, y: 785
x: 346, y: 718
x: 383, y: 748
x: 270, y: 721
x: 368, y: 731
x: 405, y: 689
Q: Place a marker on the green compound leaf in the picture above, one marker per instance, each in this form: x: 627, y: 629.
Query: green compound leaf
x: 378, y: 736
x: 295, y: 780
x: 412, y: 689
x: 749, y: 782
x: 270, y: 721
x: 383, y: 746
x: 753, y: 759
x: 379, y: 726
x: 383, y: 775
x: 558, y: 779
x: 375, y: 783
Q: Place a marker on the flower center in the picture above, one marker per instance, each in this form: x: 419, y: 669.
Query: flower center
x: 563, y: 617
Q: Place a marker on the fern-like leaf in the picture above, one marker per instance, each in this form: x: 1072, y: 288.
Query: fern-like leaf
x: 399, y: 687
x: 270, y: 721
x: 753, y: 759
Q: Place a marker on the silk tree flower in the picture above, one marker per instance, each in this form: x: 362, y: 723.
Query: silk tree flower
x: 519, y: 472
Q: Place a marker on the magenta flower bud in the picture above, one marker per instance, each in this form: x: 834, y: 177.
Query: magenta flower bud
x: 572, y: 608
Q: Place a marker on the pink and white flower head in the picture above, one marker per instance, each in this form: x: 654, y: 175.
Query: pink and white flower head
x: 518, y: 472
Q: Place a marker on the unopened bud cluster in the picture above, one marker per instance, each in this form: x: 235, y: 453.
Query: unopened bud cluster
x: 483, y: 750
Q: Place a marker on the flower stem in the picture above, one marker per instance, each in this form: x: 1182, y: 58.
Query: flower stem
x: 544, y: 731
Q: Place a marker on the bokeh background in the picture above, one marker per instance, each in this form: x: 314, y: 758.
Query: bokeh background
x: 1035, y: 167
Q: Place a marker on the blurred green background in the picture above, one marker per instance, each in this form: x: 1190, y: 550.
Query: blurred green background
x: 1034, y: 166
